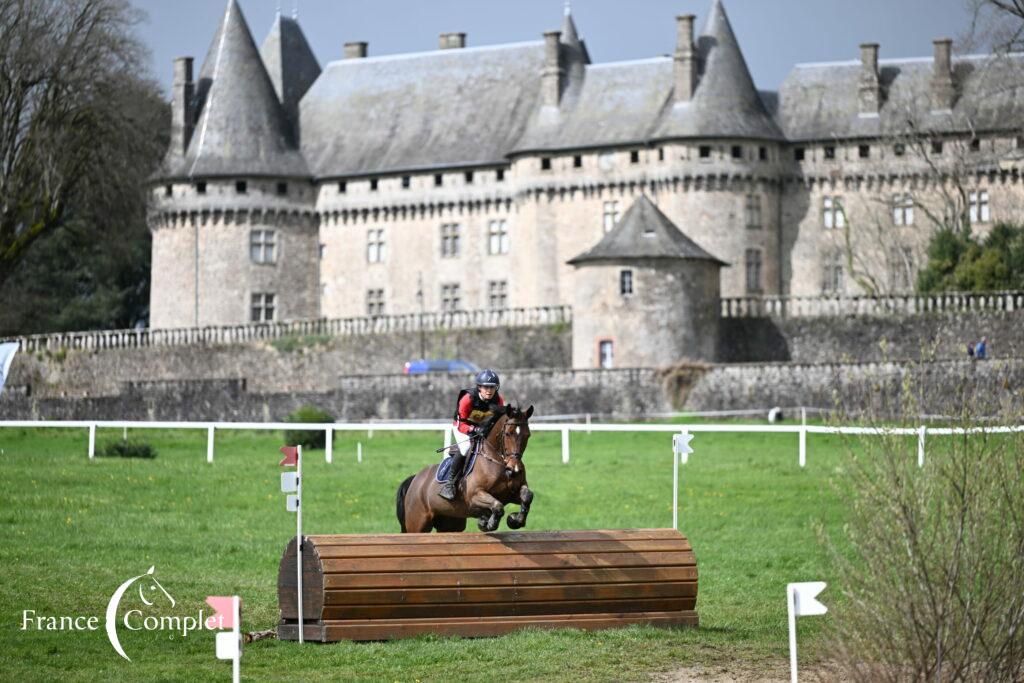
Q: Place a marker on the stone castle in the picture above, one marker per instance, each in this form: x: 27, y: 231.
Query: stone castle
x: 523, y: 175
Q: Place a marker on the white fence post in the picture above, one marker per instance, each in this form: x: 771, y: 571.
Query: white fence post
x: 328, y: 451
x: 920, y: 446
x: 359, y: 451
x: 565, y: 446
x: 209, y: 443
x: 675, y: 489
x: 803, y: 445
x: 92, y: 441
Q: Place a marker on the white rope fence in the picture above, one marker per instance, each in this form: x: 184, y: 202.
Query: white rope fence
x: 445, y: 427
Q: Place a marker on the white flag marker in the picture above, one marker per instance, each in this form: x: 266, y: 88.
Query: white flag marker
x: 289, y: 482
x: 680, y: 451
x: 802, y: 602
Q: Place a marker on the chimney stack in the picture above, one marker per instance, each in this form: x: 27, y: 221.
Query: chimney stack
x: 183, y: 90
x: 553, y: 74
x: 452, y: 41
x: 355, y: 50
x: 942, y: 76
x: 869, y: 91
x: 685, y: 59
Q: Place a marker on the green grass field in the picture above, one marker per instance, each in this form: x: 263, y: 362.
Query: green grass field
x: 73, y: 530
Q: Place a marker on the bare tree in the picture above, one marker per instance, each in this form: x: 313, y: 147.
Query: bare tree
x: 996, y: 24
x: 71, y: 127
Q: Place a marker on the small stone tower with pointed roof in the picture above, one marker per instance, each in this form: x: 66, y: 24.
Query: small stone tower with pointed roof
x: 646, y: 294
x: 235, y: 236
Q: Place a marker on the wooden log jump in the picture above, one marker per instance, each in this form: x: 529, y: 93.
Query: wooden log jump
x: 387, y: 586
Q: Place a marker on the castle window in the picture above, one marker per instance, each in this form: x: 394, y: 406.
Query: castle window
x: 406, y: 182
x: 830, y: 152
x: 373, y: 184
x: 936, y: 146
x: 753, y: 264
x: 975, y: 144
x: 201, y: 187
x: 753, y: 211
x: 977, y: 206
x: 611, y: 214
x: 832, y: 215
x: 899, y: 149
x: 374, y: 302
x: 323, y: 250
x: 625, y: 282
x: 1020, y: 142
x: 438, y: 180
x: 497, y: 237
x: 634, y: 157
x: 902, y: 209
x: 737, y: 152
x: 704, y: 151
x: 545, y: 164
x: 497, y: 294
x: 864, y: 151
x: 450, y: 240
x: 282, y: 189
x: 799, y: 153
x: 762, y: 153
x: 168, y: 190
x: 500, y: 175
x: 832, y: 272
x: 451, y: 297
x: 605, y: 353
x: 901, y: 268
x: 375, y: 247
x: 263, y: 309
x: 577, y: 161
x: 342, y: 187
x: 241, y: 186
x: 469, y: 177
x: 661, y: 154
x: 262, y: 246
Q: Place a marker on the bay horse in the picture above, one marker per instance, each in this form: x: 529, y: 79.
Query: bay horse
x: 498, y: 478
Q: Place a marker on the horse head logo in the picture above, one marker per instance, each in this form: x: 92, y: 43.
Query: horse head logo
x: 149, y: 588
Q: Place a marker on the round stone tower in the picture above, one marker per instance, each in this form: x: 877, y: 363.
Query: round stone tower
x: 235, y: 235
x: 646, y: 295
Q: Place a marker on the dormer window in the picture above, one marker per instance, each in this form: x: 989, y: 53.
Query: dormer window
x: 241, y: 186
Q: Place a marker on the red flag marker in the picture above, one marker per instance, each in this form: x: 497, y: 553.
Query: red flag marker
x: 291, y: 456
x: 223, y: 612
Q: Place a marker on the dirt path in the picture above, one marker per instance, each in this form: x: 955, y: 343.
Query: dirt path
x: 747, y: 672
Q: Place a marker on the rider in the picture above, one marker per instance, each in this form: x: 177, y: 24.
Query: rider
x: 475, y: 406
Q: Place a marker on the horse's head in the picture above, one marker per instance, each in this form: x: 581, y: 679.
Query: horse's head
x: 511, y: 440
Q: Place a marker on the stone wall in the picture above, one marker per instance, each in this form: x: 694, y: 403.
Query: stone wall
x: 870, y: 338
x: 314, y: 364
x: 937, y: 388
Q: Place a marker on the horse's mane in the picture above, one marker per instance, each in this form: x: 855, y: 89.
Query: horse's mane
x: 489, y: 423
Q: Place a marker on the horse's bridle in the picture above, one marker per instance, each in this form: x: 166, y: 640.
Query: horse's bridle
x: 505, y: 455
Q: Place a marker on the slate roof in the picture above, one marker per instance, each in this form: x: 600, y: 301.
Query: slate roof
x: 290, y: 63
x: 644, y: 232
x: 819, y: 101
x: 453, y: 107
x: 242, y: 128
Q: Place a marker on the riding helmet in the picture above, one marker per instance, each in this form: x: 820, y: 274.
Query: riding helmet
x: 487, y: 378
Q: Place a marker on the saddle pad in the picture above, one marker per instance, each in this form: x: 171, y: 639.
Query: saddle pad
x: 446, y: 464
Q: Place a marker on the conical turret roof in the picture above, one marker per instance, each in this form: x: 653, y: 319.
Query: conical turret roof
x: 575, y: 49
x: 242, y: 128
x: 291, y: 65
x: 644, y: 232
x: 726, y: 102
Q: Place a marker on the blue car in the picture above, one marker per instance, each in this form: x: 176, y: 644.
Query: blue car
x: 421, y: 367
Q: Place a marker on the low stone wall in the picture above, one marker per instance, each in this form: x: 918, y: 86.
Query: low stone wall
x: 870, y: 338
x: 307, y: 364
x: 937, y: 387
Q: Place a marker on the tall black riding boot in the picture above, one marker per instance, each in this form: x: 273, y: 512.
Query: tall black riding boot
x: 448, y: 487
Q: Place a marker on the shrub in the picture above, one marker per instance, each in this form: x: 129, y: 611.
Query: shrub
x: 932, y: 561
x: 128, y: 449
x: 307, y: 438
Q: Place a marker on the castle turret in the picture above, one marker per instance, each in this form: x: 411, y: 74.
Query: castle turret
x: 234, y: 232
x: 645, y: 269
x: 291, y: 65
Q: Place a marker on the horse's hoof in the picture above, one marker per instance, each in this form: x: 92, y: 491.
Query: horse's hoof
x: 515, y: 522
x: 482, y: 523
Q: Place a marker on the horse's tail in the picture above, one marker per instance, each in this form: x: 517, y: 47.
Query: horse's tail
x: 400, y: 501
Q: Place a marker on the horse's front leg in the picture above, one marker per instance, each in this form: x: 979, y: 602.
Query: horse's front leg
x: 490, y: 508
x: 517, y: 520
